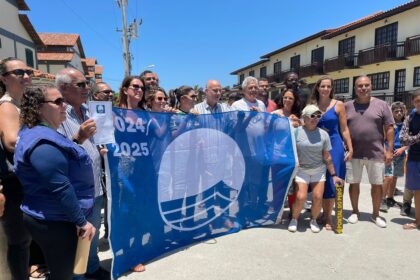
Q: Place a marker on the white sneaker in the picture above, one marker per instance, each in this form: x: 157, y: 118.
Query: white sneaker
x: 379, y: 222
x: 353, y: 219
x: 314, y: 226
x: 293, y: 225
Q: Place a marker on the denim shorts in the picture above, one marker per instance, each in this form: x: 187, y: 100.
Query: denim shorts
x: 396, y: 168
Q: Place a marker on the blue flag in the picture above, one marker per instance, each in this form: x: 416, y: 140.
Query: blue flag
x: 178, y: 179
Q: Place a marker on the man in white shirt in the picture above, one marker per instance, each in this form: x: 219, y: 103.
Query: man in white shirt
x: 249, y: 102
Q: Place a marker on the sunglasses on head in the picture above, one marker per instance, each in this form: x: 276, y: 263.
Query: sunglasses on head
x: 160, y: 98
x: 59, y: 101
x: 20, y: 72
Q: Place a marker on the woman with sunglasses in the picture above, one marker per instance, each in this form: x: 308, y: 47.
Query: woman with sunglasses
x: 58, y: 193
x: 131, y: 95
x: 333, y: 121
x: 313, y: 146
x: 15, y: 75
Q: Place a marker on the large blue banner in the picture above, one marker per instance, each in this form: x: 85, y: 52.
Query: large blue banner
x: 177, y: 179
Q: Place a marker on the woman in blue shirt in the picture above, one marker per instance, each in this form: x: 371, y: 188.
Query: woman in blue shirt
x: 57, y: 179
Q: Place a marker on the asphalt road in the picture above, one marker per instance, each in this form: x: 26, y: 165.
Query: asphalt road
x: 363, y: 251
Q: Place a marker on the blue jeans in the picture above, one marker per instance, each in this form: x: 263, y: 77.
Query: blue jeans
x: 95, y: 219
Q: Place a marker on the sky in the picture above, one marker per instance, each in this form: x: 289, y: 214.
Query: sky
x: 188, y: 42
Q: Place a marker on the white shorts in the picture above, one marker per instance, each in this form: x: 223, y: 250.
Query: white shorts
x: 375, y: 171
x: 308, y: 176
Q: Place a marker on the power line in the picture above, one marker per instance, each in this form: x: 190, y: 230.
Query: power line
x: 88, y: 25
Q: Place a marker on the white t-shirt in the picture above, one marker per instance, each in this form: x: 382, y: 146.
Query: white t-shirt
x: 245, y: 105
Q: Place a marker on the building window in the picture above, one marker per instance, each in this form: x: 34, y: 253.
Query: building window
x: 386, y: 34
x: 379, y: 80
x: 29, y: 57
x: 263, y: 72
x: 241, y: 78
x: 91, y: 68
x: 251, y: 73
x: 346, y: 46
x: 295, y: 63
x: 317, y: 56
x: 416, y: 80
x: 341, y: 85
x: 277, y: 67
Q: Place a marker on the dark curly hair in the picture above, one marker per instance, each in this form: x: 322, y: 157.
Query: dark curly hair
x: 32, y: 100
x: 296, y: 104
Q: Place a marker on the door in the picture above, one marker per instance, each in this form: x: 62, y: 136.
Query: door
x: 399, y: 85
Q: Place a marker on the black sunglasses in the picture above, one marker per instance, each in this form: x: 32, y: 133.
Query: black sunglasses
x: 317, y: 116
x: 136, y: 87
x: 19, y: 72
x: 107, y: 91
x: 59, y: 101
x: 83, y: 84
x: 160, y: 98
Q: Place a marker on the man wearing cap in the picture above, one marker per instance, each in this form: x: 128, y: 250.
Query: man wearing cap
x: 370, y: 121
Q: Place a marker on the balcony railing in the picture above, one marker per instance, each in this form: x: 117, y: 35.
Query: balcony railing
x: 310, y: 70
x: 381, y: 53
x: 340, y: 62
x: 413, y: 45
x: 277, y: 77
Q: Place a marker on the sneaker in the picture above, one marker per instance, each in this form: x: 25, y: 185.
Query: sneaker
x: 353, y: 219
x: 384, y: 206
x: 405, y: 209
x: 314, y: 226
x: 379, y: 222
x: 293, y: 225
x: 391, y: 202
x: 100, y: 274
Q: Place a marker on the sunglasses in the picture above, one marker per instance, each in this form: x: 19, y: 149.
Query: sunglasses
x: 160, y: 98
x: 217, y: 90
x: 83, y: 84
x: 136, y: 87
x: 315, y: 116
x: 194, y: 96
x: 19, y: 72
x: 107, y: 91
x: 59, y: 101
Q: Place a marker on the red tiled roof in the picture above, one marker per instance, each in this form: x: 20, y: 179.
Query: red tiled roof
x: 90, y: 61
x: 22, y: 5
x: 59, y: 39
x: 98, y: 69
x: 372, y: 18
x: 55, y: 56
x: 40, y: 74
x: 30, y: 29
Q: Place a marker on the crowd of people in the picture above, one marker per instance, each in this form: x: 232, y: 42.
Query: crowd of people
x: 45, y: 205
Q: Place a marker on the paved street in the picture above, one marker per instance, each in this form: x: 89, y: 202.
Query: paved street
x: 363, y: 251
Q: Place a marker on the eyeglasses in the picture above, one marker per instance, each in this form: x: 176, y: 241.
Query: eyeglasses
x: 59, y: 101
x: 135, y: 87
x: 107, y: 91
x: 315, y: 116
x: 19, y: 72
x: 160, y: 98
x: 217, y: 90
x: 83, y: 84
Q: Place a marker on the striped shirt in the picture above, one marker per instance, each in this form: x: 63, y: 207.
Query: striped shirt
x: 205, y: 108
x: 69, y: 128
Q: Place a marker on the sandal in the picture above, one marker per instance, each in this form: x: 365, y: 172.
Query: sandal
x: 138, y: 268
x: 38, y: 271
x: 410, y: 226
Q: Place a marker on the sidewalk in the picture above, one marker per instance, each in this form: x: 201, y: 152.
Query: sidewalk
x: 362, y: 251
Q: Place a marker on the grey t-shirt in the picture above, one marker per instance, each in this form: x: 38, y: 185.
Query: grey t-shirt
x: 366, y: 124
x: 310, y: 144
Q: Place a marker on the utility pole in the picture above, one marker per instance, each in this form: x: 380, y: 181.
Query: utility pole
x: 129, y: 33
